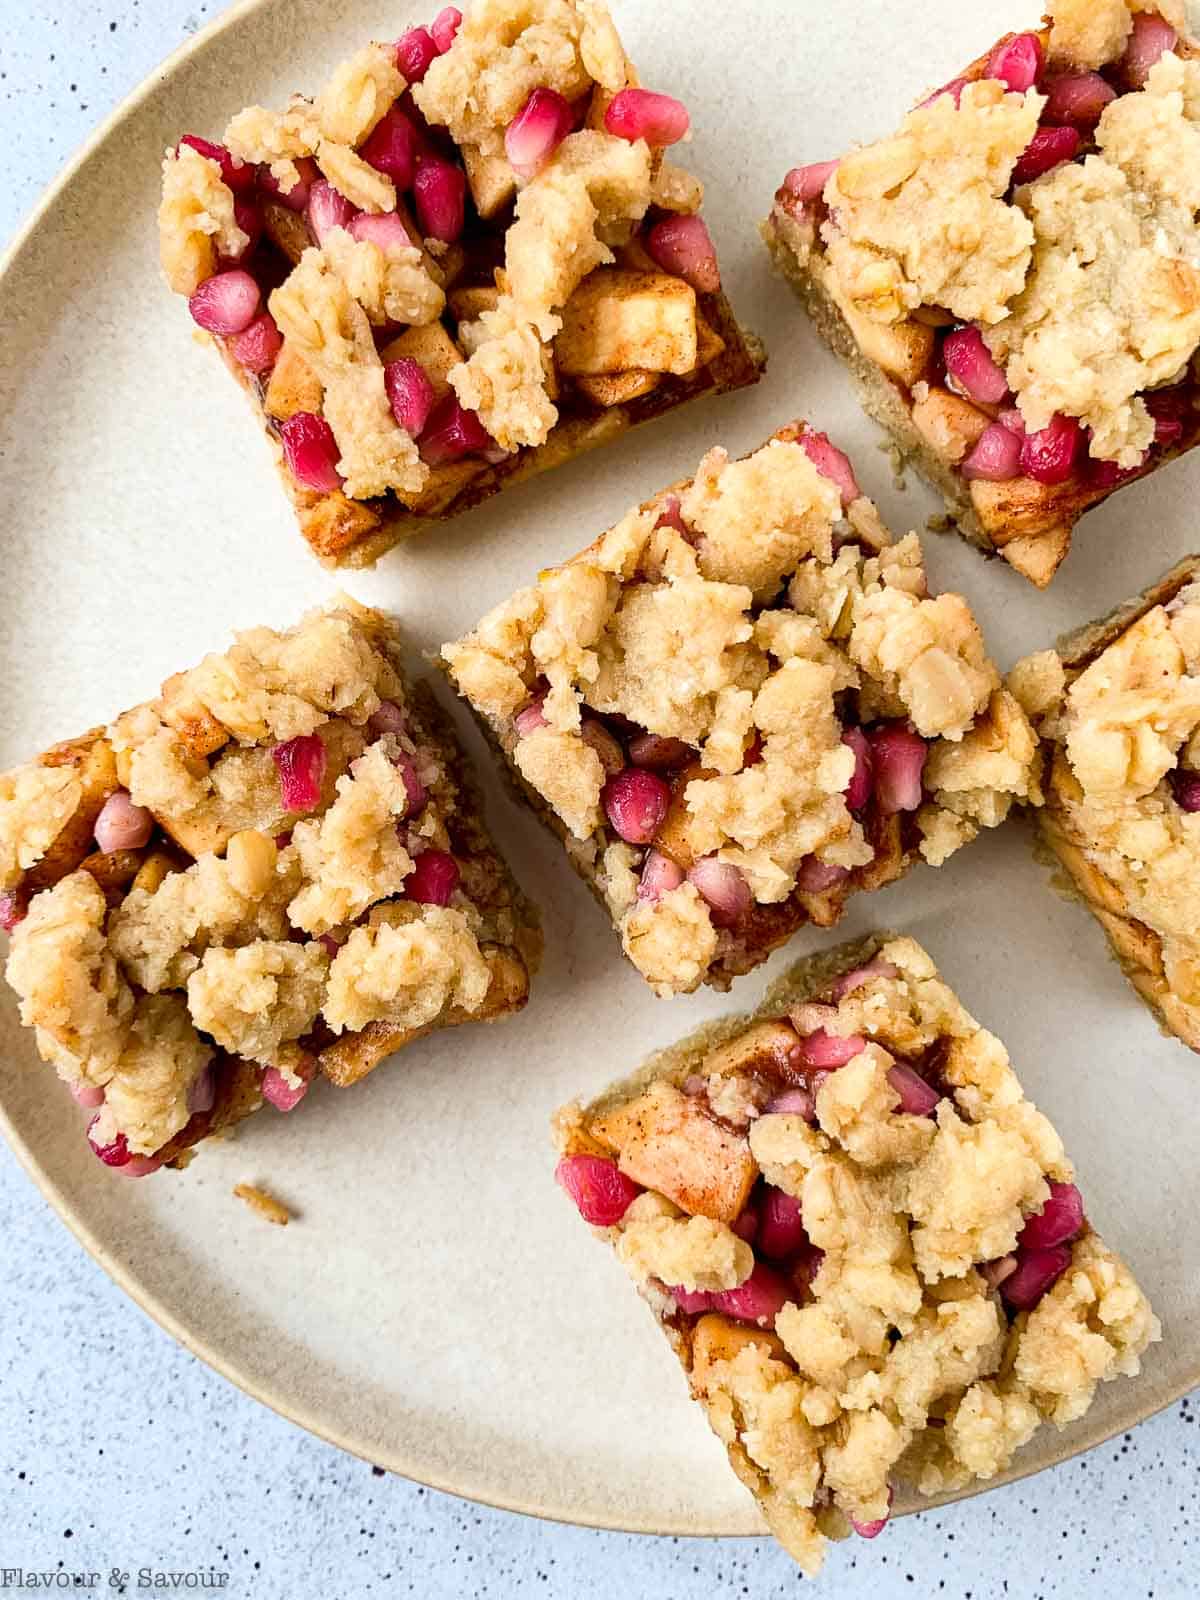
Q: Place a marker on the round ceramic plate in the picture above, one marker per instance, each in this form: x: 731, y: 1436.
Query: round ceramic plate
x: 437, y: 1307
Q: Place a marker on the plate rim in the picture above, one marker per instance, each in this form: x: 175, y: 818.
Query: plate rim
x: 1084, y: 1438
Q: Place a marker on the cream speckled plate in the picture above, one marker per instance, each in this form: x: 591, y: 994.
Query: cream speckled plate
x: 437, y: 1307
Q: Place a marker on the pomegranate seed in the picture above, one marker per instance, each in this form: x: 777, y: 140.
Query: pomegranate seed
x: 415, y: 52
x: 1011, y: 418
x: 240, y: 176
x: 917, y: 1097
x: 858, y: 790
x: 781, y: 1226
x: 1048, y: 148
x: 1037, y: 1271
x: 1058, y: 1222
x: 140, y: 1166
x: 872, y: 1530
x: 12, y: 909
x: 636, y: 803
x: 641, y: 114
x: 995, y: 1272
x: 440, y: 193
x: 115, y: 1154
x: 815, y: 876
x: 444, y: 27
x: 759, y: 1299
x: 413, y: 787
x: 600, y: 1190
x: 300, y: 764
x: 121, y: 825
x: 1049, y: 455
x: 249, y: 219
x: 850, y: 982
x: 831, y: 463
x: 202, y: 1091
x: 328, y: 208
x: 277, y: 1091
x: 329, y: 944
x: 656, y: 751
x: 257, y: 347
x: 297, y: 197
x: 410, y: 392
x: 898, y: 754
x: 1172, y: 411
x: 311, y: 451
x: 434, y: 878
x: 996, y: 456
x: 692, y: 1302
x: 954, y: 89
x: 387, y: 718
x: 1107, y: 474
x: 1078, y: 98
x: 1151, y: 37
x: 971, y: 365
x: 794, y: 1102
x: 745, y: 1226
x: 1186, y: 788
x: 530, y: 719
x: 386, y: 230
x: 808, y: 183
x: 226, y: 303
x: 670, y: 516
x: 597, y: 737
x: 683, y: 247
x: 1017, y: 62
x: 536, y: 132
x: 828, y: 1051
x: 659, y: 876
x: 87, y: 1095
x: 392, y: 147
x: 723, y: 888
x: 451, y: 432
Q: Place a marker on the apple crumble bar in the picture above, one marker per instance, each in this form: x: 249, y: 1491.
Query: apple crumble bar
x: 467, y: 260
x: 277, y: 867
x: 865, y: 1245
x: 1118, y: 706
x: 741, y: 704
x: 1013, y: 278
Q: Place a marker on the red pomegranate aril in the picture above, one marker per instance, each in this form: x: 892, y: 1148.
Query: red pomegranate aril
x: 995, y: 1272
x: 996, y: 456
x: 328, y: 208
x: 88, y: 1095
x: 281, y: 1094
x: 202, y: 1091
x: 388, y: 717
x: 392, y: 147
x: 658, y: 752
x: 831, y: 463
x: 1048, y: 148
x: 763, y: 1295
x: 1058, y: 1222
x: 1017, y: 62
x: 1171, y: 409
x: 814, y: 876
x: 1010, y: 417
x: 434, y: 878
x: 954, y: 89
x: 1049, y: 454
x: 972, y: 366
x: 849, y: 982
x: 746, y: 1226
x: 297, y: 197
x: 536, y: 131
x: 257, y: 347
x: 114, y: 1154
x: 1037, y: 1271
x: 597, y: 737
x: 723, y: 888
x: 780, y: 1225
x: 451, y: 432
x: 300, y: 763
x: 858, y: 790
x: 140, y: 1166
x: 531, y: 718
x: 240, y: 176
x: 636, y: 803
x: 444, y: 27
x: 226, y: 303
x: 413, y: 787
x: 917, y: 1098
x: 659, y: 876
x: 601, y: 1191
x: 1185, y: 786
x: 828, y: 1051
x: 683, y: 247
x: 1151, y: 37
x: 387, y: 230
x: 12, y: 909
x: 415, y: 53
x: 692, y: 1302
x: 808, y: 183
x: 670, y: 516
x: 872, y: 1530
x: 898, y: 755
x: 641, y: 114
x: 793, y: 1102
x: 311, y: 451
x: 410, y: 393
x: 440, y: 195
x: 249, y: 219
x: 1077, y: 98
x: 121, y: 825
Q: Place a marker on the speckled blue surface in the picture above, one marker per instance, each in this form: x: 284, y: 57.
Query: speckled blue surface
x: 119, y: 1452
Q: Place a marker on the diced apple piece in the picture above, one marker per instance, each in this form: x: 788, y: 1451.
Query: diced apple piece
x: 293, y: 386
x: 674, y: 837
x: 94, y: 765
x: 716, y: 1338
x: 617, y: 321
x: 493, y: 183
x: 619, y: 388
x: 199, y: 731
x: 903, y: 349
x: 1038, y: 556
x: 469, y: 304
x: 432, y: 347
x: 444, y: 484
x: 709, y: 343
x: 767, y: 1046
x: 949, y: 425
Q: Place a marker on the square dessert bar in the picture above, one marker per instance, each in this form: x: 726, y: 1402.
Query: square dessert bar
x: 279, y: 866
x: 466, y: 261
x: 1013, y: 278
x: 865, y: 1245
x: 1118, y: 706
x: 740, y: 705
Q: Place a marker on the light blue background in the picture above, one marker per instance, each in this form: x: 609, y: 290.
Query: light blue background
x: 118, y: 1450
